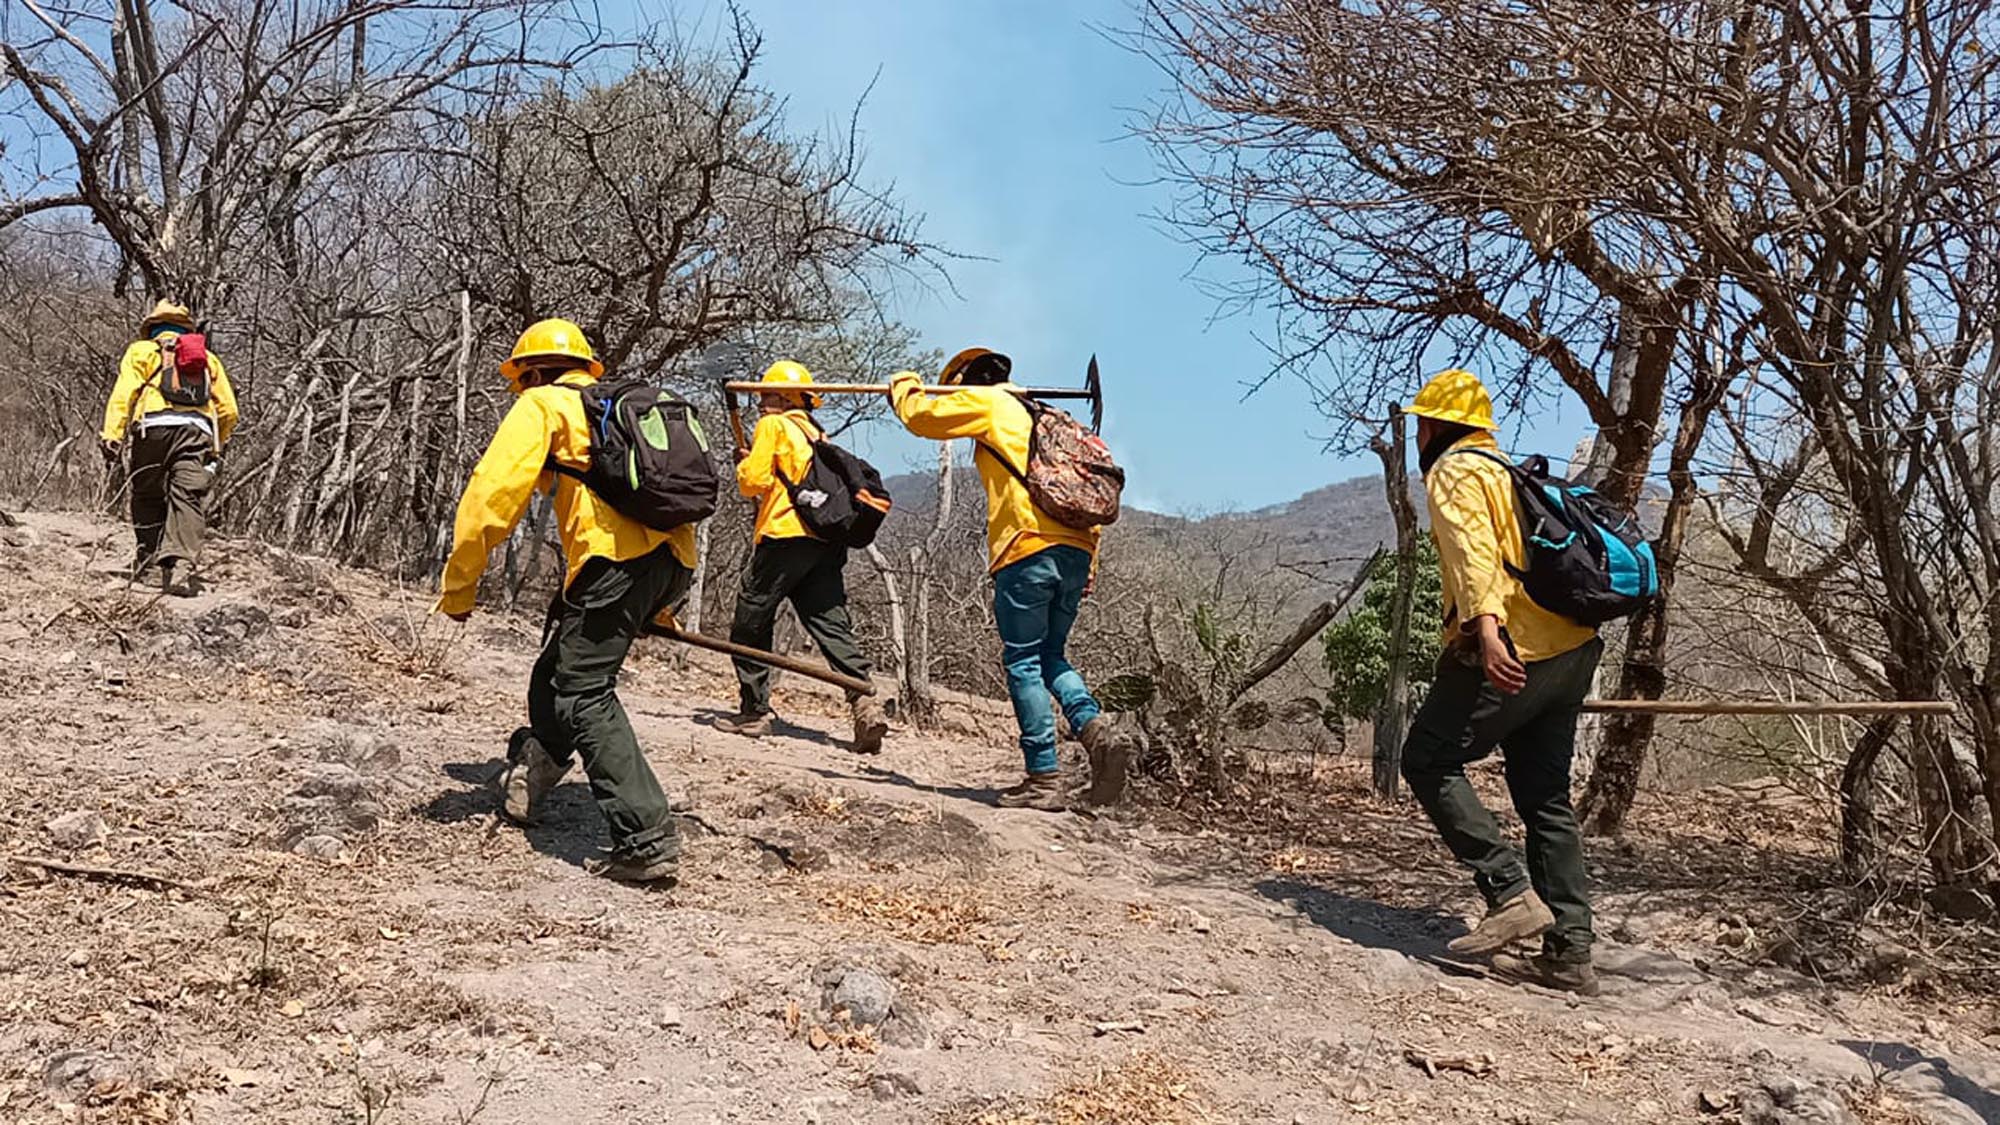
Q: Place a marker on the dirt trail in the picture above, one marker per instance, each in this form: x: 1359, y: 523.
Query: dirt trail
x: 364, y: 941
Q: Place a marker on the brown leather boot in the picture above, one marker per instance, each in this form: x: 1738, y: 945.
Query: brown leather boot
x: 749, y: 726
x: 871, y: 725
x: 661, y: 870
x: 1519, y: 918
x: 1545, y: 971
x: 1041, y: 791
x: 531, y: 773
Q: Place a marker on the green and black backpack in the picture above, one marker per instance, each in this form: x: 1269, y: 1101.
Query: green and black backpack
x: 648, y: 453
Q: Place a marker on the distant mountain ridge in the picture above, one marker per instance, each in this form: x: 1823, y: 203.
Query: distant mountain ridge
x: 1344, y: 520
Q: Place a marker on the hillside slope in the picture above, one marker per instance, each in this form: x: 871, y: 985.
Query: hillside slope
x: 333, y: 926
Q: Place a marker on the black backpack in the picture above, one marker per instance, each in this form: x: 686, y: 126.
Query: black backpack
x: 1588, y: 560
x: 841, y: 499
x: 648, y: 454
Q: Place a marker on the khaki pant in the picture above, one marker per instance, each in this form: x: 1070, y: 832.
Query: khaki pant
x: 170, y: 482
x: 1463, y: 718
x: 809, y: 574
x: 573, y: 704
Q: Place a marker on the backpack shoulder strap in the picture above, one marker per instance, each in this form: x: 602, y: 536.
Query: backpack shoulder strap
x: 1018, y: 474
x: 1488, y: 455
x: 812, y: 436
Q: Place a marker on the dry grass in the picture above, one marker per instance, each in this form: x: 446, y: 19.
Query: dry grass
x: 1146, y: 1087
x: 823, y: 804
x: 942, y: 914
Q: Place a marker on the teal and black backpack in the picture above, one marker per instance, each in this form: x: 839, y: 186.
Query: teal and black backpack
x: 648, y: 453
x: 1588, y: 560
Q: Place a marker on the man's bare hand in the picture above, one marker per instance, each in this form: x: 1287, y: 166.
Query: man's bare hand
x: 1503, y: 669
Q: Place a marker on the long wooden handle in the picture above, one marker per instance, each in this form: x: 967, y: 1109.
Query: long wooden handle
x: 789, y: 664
x: 1766, y: 707
x: 883, y: 389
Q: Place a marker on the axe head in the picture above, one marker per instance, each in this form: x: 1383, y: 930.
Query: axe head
x: 1094, y: 387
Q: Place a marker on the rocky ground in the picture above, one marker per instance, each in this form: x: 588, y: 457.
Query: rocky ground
x: 253, y: 873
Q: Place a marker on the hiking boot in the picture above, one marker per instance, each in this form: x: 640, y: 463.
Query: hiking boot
x: 1110, y: 754
x: 1519, y: 918
x: 1545, y: 971
x: 747, y: 725
x: 529, y: 776
x: 871, y: 725
x: 1041, y: 791
x: 661, y: 869
x: 177, y: 580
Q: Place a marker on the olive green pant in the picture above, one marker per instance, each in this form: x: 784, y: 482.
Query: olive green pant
x: 573, y: 705
x: 170, y: 482
x: 811, y: 574
x: 1461, y: 721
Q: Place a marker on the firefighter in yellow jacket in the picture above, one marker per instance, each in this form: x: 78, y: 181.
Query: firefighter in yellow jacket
x: 788, y: 563
x: 177, y: 428
x: 1040, y: 570
x: 1513, y: 676
x: 621, y: 575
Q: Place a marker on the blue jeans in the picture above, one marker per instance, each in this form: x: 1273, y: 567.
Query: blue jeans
x: 1035, y: 603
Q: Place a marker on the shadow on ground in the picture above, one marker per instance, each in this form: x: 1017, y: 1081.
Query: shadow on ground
x: 566, y: 830
x: 1416, y: 931
x: 781, y: 727
x: 877, y: 775
x: 1937, y: 1075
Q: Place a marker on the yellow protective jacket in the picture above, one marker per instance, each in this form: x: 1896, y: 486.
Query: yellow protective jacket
x: 544, y: 422
x: 996, y: 420
x: 137, y: 395
x: 1477, y: 523
x: 783, y: 442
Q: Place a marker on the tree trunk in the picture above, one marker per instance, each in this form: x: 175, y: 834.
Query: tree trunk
x: 690, y: 616
x: 1392, y: 718
x: 919, y: 702
x: 1859, y: 847
x: 899, y: 636
x: 1614, y: 781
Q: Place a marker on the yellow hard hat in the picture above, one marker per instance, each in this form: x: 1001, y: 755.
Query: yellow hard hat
x: 954, y: 368
x: 1454, y: 396
x: 167, y: 312
x: 546, y: 339
x: 790, y: 372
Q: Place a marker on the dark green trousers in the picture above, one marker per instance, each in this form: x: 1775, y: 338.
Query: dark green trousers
x: 170, y: 482
x: 810, y: 574
x: 573, y: 704
x: 1462, y: 719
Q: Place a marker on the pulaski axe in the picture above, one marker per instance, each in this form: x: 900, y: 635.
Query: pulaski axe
x: 665, y: 626
x: 1092, y: 390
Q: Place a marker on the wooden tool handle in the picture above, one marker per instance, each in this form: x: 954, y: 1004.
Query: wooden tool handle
x: 789, y: 664
x: 883, y: 389
x: 1766, y: 707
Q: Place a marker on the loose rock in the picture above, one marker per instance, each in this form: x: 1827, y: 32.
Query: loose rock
x: 867, y: 996
x: 320, y: 846
x: 893, y: 1084
x: 1785, y: 1100
x: 1389, y: 971
x: 77, y: 1074
x: 78, y: 830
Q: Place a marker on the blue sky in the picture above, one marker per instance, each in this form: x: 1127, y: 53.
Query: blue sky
x: 1004, y: 124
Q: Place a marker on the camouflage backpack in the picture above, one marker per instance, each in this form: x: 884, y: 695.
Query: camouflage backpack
x: 1070, y: 474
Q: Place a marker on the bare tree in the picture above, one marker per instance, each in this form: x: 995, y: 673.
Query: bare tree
x: 1392, y: 719
x: 1472, y: 174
